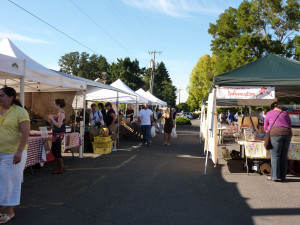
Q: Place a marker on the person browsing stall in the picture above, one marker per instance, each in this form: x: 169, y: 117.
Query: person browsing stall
x: 102, y: 110
x: 58, y: 131
x: 146, y: 119
x: 110, y: 122
x: 130, y: 112
x: 95, y: 116
x: 280, y: 136
x: 260, y: 134
x: 14, y: 133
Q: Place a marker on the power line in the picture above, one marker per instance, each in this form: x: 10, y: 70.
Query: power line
x: 53, y: 27
x: 122, y: 18
x: 101, y: 27
x: 145, y: 28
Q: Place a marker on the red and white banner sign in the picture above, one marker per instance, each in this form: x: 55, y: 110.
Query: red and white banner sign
x: 245, y: 92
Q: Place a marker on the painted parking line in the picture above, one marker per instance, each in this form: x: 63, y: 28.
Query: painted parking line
x: 105, y: 168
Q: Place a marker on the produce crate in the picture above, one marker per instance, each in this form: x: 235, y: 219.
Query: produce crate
x: 104, y: 145
x: 102, y: 151
x: 99, y: 139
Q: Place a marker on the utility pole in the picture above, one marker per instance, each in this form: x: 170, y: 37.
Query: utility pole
x: 179, y: 90
x: 153, y: 68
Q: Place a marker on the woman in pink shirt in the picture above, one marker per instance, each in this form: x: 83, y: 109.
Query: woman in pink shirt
x: 281, y: 134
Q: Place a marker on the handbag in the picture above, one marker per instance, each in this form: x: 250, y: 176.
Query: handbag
x: 267, y: 139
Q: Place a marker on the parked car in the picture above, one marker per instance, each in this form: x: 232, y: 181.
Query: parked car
x: 188, y: 115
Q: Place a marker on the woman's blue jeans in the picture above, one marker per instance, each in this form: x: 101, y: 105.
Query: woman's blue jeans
x: 279, y: 162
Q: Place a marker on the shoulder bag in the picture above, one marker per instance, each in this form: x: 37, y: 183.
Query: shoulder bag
x: 267, y: 139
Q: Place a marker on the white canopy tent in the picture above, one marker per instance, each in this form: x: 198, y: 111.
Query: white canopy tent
x: 19, y: 71
x: 92, y: 87
x: 37, y: 78
x: 126, y: 96
x: 155, y: 100
x: 11, y: 68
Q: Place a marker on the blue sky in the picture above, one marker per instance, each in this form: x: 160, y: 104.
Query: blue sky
x: 121, y: 28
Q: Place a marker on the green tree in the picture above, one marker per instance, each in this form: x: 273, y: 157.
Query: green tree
x: 183, y: 106
x: 200, y: 80
x: 128, y: 71
x: 256, y: 28
x: 83, y: 65
x: 69, y: 63
x: 163, y: 87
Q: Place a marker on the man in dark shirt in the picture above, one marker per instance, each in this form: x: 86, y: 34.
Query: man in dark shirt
x: 130, y: 112
x: 110, y: 121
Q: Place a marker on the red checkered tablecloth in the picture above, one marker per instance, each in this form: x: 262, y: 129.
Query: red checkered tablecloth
x: 34, y: 150
x: 76, y: 140
x: 36, y: 145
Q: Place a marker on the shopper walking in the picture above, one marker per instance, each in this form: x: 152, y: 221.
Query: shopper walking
x: 146, y: 119
x: 14, y: 132
x: 169, y: 124
x: 281, y: 135
x: 58, y: 132
x: 174, y: 115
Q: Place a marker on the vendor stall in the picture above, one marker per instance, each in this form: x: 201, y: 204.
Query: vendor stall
x: 155, y: 100
x: 256, y: 150
x: 266, y: 79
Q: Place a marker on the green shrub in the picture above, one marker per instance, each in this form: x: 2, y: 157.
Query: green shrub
x: 196, y: 115
x: 183, y: 121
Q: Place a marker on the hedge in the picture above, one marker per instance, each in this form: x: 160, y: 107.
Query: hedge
x: 183, y: 121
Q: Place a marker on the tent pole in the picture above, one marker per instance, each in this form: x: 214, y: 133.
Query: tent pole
x: 118, y: 130
x: 136, y: 107
x: 76, y: 110
x: 82, y: 126
x: 22, y: 86
x: 22, y: 94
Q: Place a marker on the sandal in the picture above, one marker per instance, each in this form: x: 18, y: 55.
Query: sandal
x: 4, y: 218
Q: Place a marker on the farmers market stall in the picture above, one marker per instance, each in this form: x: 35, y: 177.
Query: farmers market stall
x: 264, y: 78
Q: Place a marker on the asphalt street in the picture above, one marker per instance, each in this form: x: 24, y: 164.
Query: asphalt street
x: 157, y: 185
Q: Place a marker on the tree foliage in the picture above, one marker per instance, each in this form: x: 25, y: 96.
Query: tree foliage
x: 256, y: 28
x: 83, y: 65
x: 163, y: 87
x: 183, y: 106
x: 200, y: 80
x: 128, y: 71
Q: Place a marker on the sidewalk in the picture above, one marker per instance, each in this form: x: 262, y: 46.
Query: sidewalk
x: 161, y: 185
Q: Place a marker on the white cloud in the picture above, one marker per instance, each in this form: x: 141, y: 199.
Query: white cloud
x: 179, y: 8
x: 19, y: 37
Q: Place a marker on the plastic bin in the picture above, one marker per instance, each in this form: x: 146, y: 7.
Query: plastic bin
x: 102, y: 151
x: 97, y: 147
x: 99, y: 139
